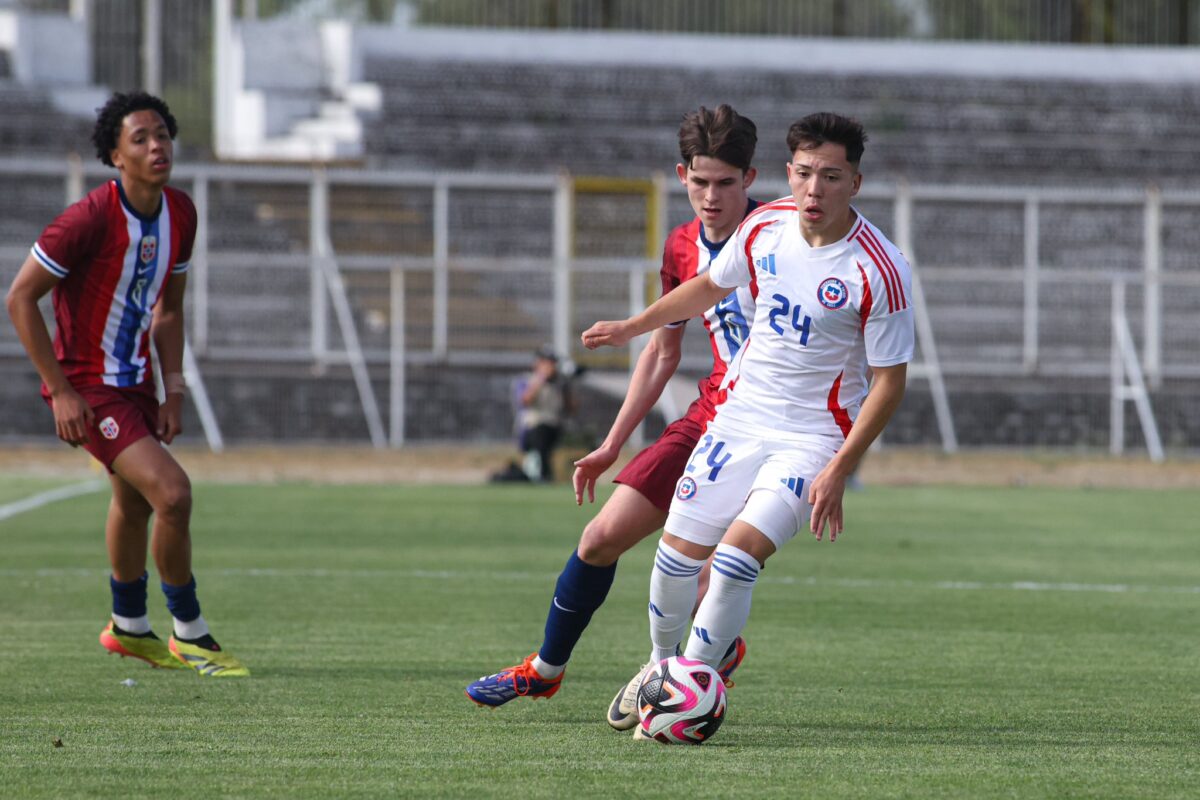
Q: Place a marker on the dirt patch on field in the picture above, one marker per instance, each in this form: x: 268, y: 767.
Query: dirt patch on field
x: 473, y: 464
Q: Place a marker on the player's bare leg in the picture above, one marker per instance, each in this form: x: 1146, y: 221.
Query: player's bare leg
x: 126, y: 531
x: 626, y: 519
x: 126, y: 537
x: 148, y: 470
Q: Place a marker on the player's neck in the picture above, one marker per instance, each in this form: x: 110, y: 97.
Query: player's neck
x: 144, y: 198
x: 832, y: 234
x: 718, y: 235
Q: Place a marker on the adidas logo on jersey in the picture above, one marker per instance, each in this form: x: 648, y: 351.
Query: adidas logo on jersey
x: 766, y: 263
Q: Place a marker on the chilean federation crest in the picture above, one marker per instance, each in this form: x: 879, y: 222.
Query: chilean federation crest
x: 148, y: 249
x: 832, y: 293
x: 686, y: 489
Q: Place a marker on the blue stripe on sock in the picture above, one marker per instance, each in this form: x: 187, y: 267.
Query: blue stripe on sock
x: 731, y: 565
x: 665, y: 561
x: 730, y: 574
x: 675, y: 573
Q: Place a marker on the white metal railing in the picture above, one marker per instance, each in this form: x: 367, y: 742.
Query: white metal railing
x: 561, y: 264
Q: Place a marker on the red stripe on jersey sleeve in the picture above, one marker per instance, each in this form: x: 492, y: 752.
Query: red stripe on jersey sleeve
x: 840, y: 415
x: 782, y: 204
x: 902, y: 301
x: 887, y: 284
x: 864, y: 308
x: 749, y: 244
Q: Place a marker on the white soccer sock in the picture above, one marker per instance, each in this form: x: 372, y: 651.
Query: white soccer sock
x: 673, y: 584
x: 132, y: 624
x: 726, y: 607
x: 547, y: 670
x: 191, y: 630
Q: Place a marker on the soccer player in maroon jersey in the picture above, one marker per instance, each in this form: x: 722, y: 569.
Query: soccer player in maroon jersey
x: 117, y: 264
x: 716, y: 148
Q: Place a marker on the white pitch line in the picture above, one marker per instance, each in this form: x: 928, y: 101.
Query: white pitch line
x: 52, y: 496
x: 844, y: 583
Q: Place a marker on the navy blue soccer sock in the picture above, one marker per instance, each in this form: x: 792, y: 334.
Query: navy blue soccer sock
x: 580, y: 590
x: 181, y: 600
x: 129, y: 597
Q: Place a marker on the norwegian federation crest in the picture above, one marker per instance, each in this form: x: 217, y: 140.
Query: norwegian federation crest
x: 109, y: 427
x: 832, y: 293
x: 148, y: 249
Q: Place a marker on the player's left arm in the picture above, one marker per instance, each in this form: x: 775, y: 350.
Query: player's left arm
x: 827, y: 489
x: 167, y: 331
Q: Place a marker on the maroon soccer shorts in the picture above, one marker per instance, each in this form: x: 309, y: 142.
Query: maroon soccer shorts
x: 123, y: 416
x: 655, y: 471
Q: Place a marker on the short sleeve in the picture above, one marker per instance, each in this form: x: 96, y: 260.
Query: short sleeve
x: 71, y: 240
x: 670, y: 275
x: 728, y: 270
x: 183, y: 218
x: 888, y: 332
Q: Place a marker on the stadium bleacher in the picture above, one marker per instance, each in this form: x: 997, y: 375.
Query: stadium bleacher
x: 520, y: 115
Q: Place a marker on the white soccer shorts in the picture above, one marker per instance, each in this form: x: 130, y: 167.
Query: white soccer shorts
x: 727, y: 465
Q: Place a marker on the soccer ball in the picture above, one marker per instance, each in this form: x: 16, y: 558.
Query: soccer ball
x: 681, y: 701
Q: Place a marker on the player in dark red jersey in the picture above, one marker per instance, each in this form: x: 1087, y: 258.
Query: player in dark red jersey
x: 716, y: 148
x: 117, y: 264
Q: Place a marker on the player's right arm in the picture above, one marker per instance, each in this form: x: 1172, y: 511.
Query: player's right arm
x: 72, y: 415
x: 689, y: 300
x: 655, y: 366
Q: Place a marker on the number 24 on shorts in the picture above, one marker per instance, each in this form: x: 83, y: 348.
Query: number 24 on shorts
x: 715, y: 460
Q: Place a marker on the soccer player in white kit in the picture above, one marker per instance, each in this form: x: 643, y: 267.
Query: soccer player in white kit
x: 834, y: 301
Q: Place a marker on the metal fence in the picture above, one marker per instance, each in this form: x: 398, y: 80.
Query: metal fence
x: 375, y: 270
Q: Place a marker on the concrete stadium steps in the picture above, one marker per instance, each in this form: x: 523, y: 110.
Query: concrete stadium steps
x: 932, y: 128
x: 30, y: 124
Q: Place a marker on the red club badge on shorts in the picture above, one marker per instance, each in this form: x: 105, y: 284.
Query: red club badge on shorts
x: 109, y: 428
x: 686, y: 490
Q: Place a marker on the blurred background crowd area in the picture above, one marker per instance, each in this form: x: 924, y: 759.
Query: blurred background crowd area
x: 401, y: 201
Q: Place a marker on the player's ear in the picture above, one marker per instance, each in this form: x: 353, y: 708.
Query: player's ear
x: 856, y: 183
x: 748, y: 177
x: 681, y: 171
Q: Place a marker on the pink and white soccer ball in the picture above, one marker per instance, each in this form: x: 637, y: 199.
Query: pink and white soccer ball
x: 681, y: 701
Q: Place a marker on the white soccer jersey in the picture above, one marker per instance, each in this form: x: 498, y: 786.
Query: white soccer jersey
x: 823, y: 315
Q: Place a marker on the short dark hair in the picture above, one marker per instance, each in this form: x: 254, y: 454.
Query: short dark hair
x: 825, y: 126
x: 723, y: 134
x: 112, y: 114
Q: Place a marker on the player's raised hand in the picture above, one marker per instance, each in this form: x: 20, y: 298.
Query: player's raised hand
x: 825, y: 496
x: 589, y: 469
x: 607, y: 333
x: 170, y: 418
x: 73, y: 417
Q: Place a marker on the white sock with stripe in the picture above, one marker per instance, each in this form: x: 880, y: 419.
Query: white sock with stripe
x: 726, y: 607
x: 673, y: 584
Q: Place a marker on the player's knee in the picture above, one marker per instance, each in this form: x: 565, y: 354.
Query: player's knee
x: 174, y: 502
x: 601, y: 544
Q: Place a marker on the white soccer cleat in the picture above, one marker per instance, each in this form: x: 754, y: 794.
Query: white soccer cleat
x: 623, y: 711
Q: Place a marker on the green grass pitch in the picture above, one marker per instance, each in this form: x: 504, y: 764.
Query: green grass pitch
x: 983, y: 643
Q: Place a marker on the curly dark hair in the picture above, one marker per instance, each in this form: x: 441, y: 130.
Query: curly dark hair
x: 111, y: 116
